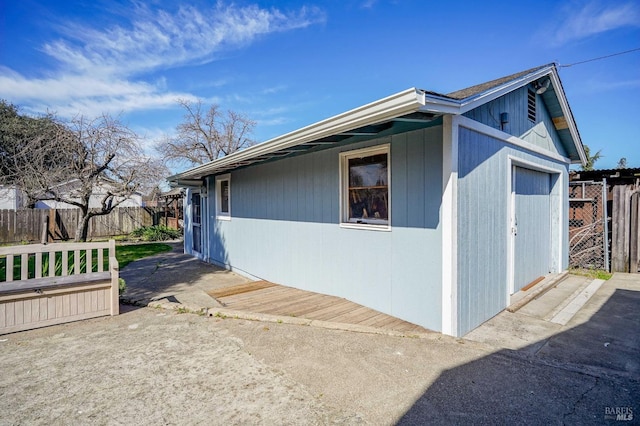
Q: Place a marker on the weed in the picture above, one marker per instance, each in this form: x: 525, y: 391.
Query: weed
x: 592, y: 273
x: 156, y: 233
x: 182, y: 310
x: 122, y: 286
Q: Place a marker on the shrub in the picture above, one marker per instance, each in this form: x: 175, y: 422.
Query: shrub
x: 156, y: 233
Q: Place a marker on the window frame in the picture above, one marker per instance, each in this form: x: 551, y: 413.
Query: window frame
x: 370, y: 223
x: 219, y: 213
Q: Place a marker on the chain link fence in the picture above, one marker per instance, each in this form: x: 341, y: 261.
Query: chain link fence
x: 588, y: 227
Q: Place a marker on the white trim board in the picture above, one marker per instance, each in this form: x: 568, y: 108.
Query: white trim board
x: 476, y: 126
x: 449, y: 221
x: 569, y: 311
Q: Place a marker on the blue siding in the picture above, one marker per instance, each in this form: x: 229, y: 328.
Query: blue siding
x: 483, y: 224
x: 541, y: 133
x: 285, y: 228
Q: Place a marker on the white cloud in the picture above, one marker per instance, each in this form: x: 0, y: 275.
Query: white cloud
x: 594, y: 17
x: 102, y: 70
x: 159, y: 39
x: 368, y: 4
x: 68, y: 95
x: 277, y: 121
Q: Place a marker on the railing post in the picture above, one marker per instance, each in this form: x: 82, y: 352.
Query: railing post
x: 115, y: 275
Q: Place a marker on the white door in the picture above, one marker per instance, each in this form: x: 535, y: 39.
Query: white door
x: 196, y: 221
x: 531, y: 225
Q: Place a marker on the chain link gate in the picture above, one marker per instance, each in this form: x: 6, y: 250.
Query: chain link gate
x: 588, y: 225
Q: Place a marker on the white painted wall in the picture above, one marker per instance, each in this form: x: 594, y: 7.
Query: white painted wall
x: 11, y: 198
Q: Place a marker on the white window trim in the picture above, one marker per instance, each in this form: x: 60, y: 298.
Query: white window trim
x: 344, y: 188
x: 219, y: 179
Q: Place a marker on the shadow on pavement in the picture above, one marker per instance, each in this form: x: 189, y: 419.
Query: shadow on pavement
x: 175, y: 277
x: 589, y: 374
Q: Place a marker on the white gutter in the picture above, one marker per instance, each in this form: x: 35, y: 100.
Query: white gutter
x: 393, y: 106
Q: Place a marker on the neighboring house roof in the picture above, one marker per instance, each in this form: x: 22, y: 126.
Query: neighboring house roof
x: 404, y: 111
x: 173, y: 193
x: 102, y: 183
x: 627, y: 174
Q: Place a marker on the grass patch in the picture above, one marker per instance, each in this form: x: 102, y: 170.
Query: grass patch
x: 128, y: 253
x: 596, y: 274
x: 125, y: 255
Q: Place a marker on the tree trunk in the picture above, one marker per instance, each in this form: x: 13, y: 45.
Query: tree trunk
x: 83, y: 227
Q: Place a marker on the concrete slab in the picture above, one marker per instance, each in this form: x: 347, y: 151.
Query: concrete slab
x: 576, y: 303
x: 545, y: 304
x: 177, y: 278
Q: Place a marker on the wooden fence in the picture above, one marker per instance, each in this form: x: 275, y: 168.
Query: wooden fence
x: 28, y: 225
x: 625, y: 242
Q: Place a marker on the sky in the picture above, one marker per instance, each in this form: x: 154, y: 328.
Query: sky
x: 288, y: 64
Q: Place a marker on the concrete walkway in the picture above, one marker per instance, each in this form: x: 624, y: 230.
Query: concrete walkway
x: 174, y: 279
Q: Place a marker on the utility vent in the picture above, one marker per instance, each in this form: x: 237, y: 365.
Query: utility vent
x: 531, y: 105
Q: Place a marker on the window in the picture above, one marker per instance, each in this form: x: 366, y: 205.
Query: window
x: 531, y: 105
x: 223, y: 197
x: 365, y: 187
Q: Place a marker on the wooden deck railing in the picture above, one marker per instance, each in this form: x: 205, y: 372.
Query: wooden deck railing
x: 46, y: 284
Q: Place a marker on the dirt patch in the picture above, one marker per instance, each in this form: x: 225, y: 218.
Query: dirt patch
x: 145, y: 367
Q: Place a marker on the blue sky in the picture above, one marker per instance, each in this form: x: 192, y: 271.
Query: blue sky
x: 287, y: 64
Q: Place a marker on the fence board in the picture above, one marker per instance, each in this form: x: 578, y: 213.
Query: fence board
x: 27, y: 225
x: 625, y: 245
x: 634, y: 233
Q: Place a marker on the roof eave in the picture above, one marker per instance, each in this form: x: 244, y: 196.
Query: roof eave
x: 394, y: 106
x: 446, y: 105
x: 402, y: 103
x: 573, y: 129
x: 472, y: 102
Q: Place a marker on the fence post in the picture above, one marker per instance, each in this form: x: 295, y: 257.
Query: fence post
x: 605, y: 216
x: 45, y: 230
x: 634, y: 231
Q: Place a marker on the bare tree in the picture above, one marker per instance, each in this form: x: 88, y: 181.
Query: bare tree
x: 206, y: 135
x: 27, y: 142
x: 84, y: 163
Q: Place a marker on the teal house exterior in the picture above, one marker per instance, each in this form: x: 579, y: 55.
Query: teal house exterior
x: 433, y: 208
